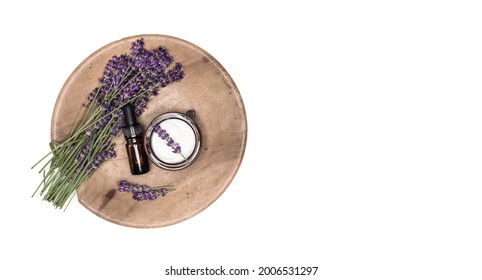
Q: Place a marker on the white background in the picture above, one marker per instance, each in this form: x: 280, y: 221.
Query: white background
x: 364, y: 152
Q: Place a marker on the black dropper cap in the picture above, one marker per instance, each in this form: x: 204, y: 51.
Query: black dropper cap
x: 132, y: 128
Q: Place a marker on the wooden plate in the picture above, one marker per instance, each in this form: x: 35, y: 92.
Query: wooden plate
x: 206, y: 88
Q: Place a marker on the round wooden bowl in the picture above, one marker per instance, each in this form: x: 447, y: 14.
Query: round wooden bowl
x: 206, y: 88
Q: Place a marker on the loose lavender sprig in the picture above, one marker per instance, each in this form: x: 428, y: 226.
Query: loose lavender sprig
x: 169, y: 141
x: 143, y: 192
x: 128, y: 78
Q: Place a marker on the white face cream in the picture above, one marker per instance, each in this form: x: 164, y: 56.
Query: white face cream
x: 173, y: 141
x: 181, y: 133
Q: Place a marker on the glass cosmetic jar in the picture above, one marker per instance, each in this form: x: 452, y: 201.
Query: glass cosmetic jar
x: 173, y: 141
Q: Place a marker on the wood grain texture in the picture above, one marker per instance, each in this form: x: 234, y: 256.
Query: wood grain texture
x: 209, y: 90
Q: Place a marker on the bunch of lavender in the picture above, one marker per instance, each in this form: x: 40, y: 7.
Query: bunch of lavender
x: 169, y: 141
x: 129, y: 78
x: 143, y: 192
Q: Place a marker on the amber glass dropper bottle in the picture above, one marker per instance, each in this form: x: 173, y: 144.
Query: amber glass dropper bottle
x: 136, y: 152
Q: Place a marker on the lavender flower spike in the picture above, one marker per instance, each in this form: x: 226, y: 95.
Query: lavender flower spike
x: 143, y: 192
x: 169, y: 141
x: 84, y: 152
